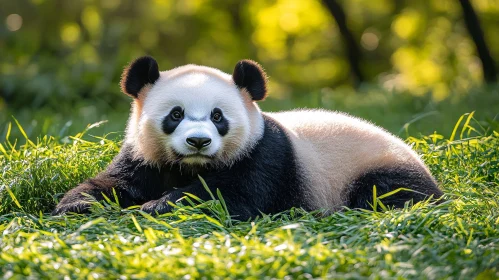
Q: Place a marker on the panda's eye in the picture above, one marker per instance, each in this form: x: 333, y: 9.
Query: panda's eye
x: 217, y: 117
x: 176, y: 115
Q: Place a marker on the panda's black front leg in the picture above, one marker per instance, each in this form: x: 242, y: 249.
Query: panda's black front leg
x: 161, y: 205
x: 237, y: 206
x: 78, y: 199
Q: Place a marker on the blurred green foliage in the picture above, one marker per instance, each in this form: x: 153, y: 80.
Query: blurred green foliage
x: 66, y: 57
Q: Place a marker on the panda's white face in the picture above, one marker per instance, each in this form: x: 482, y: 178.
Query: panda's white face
x: 195, y: 115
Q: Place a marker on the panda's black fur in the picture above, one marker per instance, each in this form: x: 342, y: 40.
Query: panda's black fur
x: 268, y: 179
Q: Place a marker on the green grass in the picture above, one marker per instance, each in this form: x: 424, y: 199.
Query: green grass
x: 458, y: 239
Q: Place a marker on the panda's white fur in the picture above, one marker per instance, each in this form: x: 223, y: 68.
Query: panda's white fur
x: 261, y: 162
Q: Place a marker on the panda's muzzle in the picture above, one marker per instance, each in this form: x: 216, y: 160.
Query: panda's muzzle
x: 198, y: 142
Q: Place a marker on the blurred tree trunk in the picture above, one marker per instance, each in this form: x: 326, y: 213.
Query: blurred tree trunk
x: 473, y: 25
x: 352, y: 48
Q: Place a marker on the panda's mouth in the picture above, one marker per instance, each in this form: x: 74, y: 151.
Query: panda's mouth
x: 197, y: 155
x: 194, y: 157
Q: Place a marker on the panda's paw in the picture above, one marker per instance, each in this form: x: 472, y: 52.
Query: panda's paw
x: 159, y: 206
x: 80, y: 207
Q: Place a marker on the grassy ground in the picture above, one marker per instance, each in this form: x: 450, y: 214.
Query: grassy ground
x: 458, y: 239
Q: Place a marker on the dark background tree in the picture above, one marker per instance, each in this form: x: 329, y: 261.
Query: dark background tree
x: 351, y: 46
x: 476, y: 32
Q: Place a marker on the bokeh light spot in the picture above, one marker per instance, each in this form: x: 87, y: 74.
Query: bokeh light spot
x: 91, y: 20
x: 14, y: 22
x: 440, y: 92
x: 369, y: 41
x: 70, y: 33
x: 407, y: 24
x: 88, y: 54
x: 289, y: 22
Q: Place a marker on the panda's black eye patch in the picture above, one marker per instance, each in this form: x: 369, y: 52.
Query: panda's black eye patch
x: 221, y: 123
x: 173, y: 119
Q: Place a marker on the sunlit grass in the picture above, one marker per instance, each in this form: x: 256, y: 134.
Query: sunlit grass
x: 457, y: 239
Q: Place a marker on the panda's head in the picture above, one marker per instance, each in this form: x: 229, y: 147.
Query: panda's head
x: 193, y: 115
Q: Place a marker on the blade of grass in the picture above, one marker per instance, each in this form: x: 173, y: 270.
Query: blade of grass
x: 13, y: 197
x: 453, y: 135
x: 203, y: 182
x: 466, y: 124
x: 24, y: 133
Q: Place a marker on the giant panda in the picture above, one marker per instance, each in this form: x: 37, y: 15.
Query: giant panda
x: 196, y: 120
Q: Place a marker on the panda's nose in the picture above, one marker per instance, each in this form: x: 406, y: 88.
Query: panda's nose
x: 198, y: 142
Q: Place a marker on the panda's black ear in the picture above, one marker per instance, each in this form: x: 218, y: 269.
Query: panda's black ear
x: 250, y: 76
x: 142, y: 71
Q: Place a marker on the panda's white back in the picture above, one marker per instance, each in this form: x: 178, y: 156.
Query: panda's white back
x: 334, y: 148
